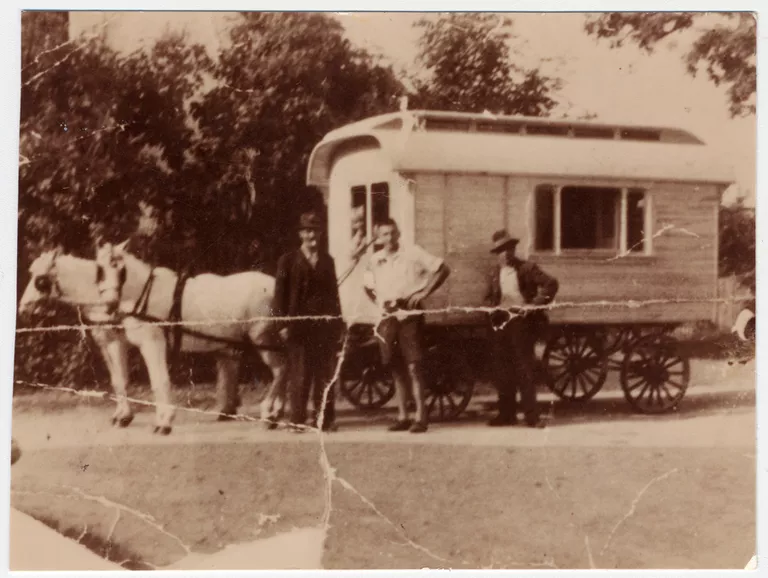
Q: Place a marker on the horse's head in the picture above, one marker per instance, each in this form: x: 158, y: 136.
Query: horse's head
x: 110, y: 275
x: 43, y: 281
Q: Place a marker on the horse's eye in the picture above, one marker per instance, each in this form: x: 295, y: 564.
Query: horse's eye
x: 43, y: 284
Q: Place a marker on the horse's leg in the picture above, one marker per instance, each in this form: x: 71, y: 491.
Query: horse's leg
x: 114, y: 350
x: 227, y: 388
x: 273, y: 405
x: 154, y: 354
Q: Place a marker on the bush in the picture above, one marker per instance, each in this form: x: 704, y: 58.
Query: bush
x: 65, y: 358
x: 71, y: 358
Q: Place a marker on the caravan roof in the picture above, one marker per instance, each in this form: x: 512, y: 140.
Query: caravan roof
x: 430, y: 141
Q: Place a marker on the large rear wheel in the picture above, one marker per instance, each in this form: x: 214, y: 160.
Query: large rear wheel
x: 655, y: 374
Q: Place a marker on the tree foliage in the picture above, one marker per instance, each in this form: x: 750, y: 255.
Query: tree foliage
x: 282, y: 83
x: 202, y: 162
x: 471, y: 68
x: 737, y: 243
x: 727, y: 50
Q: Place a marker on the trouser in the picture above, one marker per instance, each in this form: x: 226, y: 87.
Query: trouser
x: 313, y: 363
x: 514, y: 366
x: 400, y: 343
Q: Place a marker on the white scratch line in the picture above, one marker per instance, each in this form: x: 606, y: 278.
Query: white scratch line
x: 589, y: 552
x: 630, y: 304
x: 83, y: 534
x: 633, y: 506
x: 118, y: 513
x: 104, y: 395
x: 106, y: 502
x: 397, y: 528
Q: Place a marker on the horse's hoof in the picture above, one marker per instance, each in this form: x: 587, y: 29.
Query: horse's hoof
x: 122, y: 421
x: 162, y: 429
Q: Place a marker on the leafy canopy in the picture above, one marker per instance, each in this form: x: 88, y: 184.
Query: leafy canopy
x: 725, y: 49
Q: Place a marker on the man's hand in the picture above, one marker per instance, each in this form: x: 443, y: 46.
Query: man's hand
x: 284, y: 334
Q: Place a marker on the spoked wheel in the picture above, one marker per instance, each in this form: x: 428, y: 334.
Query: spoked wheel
x: 576, y: 364
x: 615, y: 340
x: 449, y: 388
x: 368, y: 386
x: 655, y: 375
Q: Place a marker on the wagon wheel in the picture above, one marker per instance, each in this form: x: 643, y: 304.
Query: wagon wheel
x: 654, y: 374
x: 371, y: 388
x: 616, y: 339
x: 576, y: 364
x: 449, y: 388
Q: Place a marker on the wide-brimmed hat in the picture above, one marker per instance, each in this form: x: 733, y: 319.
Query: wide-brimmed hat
x: 501, y: 240
x: 310, y: 221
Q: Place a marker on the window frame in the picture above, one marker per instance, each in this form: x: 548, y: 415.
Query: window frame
x: 623, y: 233
x: 367, y: 190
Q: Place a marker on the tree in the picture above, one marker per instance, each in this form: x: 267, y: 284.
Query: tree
x: 727, y: 50
x: 737, y: 243
x: 470, y: 68
x: 100, y: 133
x: 283, y: 81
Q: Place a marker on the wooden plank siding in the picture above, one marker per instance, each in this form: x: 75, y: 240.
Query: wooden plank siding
x: 455, y: 216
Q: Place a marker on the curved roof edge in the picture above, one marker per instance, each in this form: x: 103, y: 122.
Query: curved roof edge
x: 478, y: 143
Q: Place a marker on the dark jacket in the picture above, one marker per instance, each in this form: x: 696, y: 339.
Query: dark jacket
x: 536, y: 287
x: 303, y: 290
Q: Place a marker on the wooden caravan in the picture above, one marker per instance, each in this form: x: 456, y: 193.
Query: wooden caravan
x: 626, y: 217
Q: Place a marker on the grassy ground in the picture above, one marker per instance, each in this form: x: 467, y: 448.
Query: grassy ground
x: 468, y: 506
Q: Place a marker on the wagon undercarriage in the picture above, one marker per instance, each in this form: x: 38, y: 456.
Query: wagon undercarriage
x: 576, y: 362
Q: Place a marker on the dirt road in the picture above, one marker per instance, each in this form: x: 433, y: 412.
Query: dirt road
x: 583, y: 492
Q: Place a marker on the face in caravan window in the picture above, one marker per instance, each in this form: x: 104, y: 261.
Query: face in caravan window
x: 358, y: 231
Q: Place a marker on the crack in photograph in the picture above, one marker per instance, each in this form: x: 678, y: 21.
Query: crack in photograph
x: 385, y: 290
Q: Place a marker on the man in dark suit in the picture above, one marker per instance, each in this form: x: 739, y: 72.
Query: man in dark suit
x: 513, y: 285
x: 306, y: 286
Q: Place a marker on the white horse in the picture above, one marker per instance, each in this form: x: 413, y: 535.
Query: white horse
x: 72, y: 280
x: 217, y: 314
x: 98, y: 289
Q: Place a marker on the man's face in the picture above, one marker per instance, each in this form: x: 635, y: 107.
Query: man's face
x: 310, y: 239
x: 388, y: 236
x: 507, y: 256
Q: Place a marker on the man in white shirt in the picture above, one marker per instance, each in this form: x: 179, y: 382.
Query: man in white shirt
x: 398, y: 279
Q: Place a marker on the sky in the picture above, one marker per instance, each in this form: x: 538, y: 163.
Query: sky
x: 618, y: 85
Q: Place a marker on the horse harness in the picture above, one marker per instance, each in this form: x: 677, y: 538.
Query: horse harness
x: 174, y: 329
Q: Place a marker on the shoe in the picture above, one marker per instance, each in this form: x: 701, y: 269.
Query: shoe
x: 330, y: 427
x: 418, y: 427
x: 271, y: 424
x: 400, y: 425
x: 537, y: 423
x: 502, y: 421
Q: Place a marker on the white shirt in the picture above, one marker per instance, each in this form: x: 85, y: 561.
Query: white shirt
x: 400, y: 274
x: 510, y: 288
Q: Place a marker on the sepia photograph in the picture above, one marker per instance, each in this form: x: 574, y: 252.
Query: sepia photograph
x: 385, y: 290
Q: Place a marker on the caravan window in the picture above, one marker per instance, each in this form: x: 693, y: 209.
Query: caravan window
x: 370, y: 205
x: 588, y: 218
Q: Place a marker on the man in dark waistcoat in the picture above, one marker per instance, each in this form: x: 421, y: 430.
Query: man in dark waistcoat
x: 513, y: 285
x: 306, y: 286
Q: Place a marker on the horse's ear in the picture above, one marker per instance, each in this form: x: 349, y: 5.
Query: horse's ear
x: 57, y: 251
x: 121, y: 247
